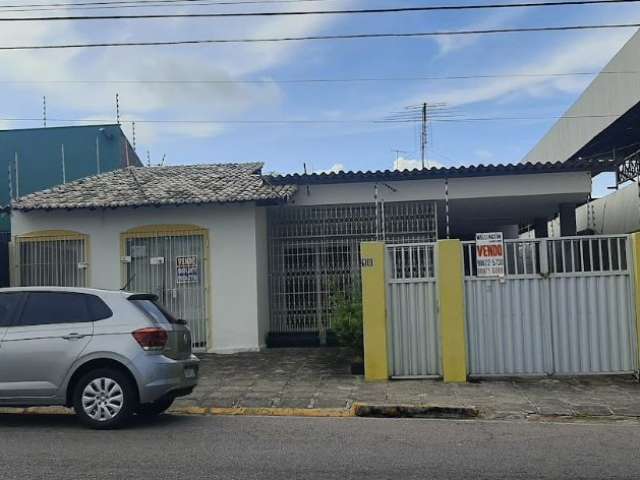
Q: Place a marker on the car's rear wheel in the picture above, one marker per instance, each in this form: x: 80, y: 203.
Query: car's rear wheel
x: 156, y: 408
x: 105, y: 398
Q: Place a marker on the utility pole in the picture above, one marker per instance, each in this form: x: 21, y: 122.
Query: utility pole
x: 98, y: 153
x: 17, y: 174
x: 423, y: 136
x: 64, y: 168
x: 118, y: 108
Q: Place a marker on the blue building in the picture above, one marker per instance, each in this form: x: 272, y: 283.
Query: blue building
x: 34, y: 159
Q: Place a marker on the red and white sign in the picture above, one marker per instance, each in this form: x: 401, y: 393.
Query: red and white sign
x: 490, y: 254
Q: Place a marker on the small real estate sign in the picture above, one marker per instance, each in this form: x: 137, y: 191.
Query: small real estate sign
x: 187, y: 269
x: 490, y: 254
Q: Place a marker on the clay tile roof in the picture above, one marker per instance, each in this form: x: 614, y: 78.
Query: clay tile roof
x: 156, y: 186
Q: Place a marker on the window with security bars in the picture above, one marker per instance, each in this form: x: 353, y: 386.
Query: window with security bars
x: 59, y: 262
x: 314, y: 255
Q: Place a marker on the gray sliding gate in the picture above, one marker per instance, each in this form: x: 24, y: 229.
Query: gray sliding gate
x: 565, y: 306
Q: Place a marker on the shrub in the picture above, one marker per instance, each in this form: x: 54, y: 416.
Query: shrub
x: 347, y: 322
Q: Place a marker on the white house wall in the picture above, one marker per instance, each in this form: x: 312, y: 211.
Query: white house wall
x: 569, y: 183
x: 238, y: 297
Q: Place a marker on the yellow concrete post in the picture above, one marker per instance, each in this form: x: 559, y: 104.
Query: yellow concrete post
x: 450, y: 288
x: 635, y: 247
x: 374, y: 311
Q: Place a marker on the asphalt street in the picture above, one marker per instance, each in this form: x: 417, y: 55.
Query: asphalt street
x: 181, y: 447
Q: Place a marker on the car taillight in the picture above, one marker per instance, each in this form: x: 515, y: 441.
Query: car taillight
x: 151, y: 339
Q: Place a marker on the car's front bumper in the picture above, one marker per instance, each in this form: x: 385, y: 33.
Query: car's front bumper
x: 160, y: 376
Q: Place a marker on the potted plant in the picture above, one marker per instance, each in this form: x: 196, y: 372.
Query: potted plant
x: 347, y: 325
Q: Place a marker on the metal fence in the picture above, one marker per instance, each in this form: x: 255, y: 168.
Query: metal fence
x: 59, y: 260
x: 565, y: 306
x: 593, y: 254
x: 314, y: 255
x: 414, y: 330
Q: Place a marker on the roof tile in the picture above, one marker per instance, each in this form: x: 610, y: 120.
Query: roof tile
x: 172, y: 185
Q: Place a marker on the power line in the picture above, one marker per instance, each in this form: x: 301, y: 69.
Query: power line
x: 466, y: 76
x: 317, y: 12
x: 312, y: 121
x: 142, y: 4
x: 355, y: 36
x: 155, y: 2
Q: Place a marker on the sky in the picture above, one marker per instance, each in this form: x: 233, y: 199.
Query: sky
x: 335, y: 128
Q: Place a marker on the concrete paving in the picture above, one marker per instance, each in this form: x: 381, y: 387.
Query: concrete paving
x: 320, y: 378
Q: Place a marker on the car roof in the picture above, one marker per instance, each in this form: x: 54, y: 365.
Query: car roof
x: 94, y: 291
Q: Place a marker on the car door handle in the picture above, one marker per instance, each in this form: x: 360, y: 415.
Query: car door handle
x: 73, y: 336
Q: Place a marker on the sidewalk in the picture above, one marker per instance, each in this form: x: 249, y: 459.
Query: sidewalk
x: 319, y: 378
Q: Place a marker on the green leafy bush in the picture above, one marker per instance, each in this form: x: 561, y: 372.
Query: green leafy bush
x: 347, y: 322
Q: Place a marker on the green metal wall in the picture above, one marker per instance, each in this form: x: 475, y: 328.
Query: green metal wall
x: 39, y: 154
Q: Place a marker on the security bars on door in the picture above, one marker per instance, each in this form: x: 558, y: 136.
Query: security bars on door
x: 59, y: 261
x: 592, y: 254
x: 171, y: 265
x: 314, y: 255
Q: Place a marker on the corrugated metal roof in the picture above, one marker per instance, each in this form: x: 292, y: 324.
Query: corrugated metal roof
x: 157, y: 186
x: 431, y: 173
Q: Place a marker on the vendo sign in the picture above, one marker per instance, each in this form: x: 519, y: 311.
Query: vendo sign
x: 490, y: 254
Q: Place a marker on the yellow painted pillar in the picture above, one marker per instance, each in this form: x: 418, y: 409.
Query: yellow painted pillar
x: 374, y: 311
x: 450, y: 287
x: 635, y: 247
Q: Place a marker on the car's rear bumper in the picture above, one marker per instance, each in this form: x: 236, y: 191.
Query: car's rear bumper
x: 160, y: 376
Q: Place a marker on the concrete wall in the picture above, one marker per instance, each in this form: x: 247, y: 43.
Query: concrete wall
x: 262, y: 263
x: 609, y: 96
x: 238, y: 299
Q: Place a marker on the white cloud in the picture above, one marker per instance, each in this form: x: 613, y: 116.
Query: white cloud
x: 335, y: 168
x: 483, y: 154
x: 402, y: 163
x: 184, y: 101
x: 587, y: 52
x: 452, y: 43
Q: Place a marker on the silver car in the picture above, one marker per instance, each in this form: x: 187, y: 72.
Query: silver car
x: 107, y: 354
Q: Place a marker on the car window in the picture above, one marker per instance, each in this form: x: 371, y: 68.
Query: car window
x: 45, y: 308
x: 97, y: 308
x: 155, y: 311
x: 8, y: 304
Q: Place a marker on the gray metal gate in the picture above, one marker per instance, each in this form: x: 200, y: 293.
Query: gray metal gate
x: 172, y: 265
x: 565, y: 306
x: 414, y: 333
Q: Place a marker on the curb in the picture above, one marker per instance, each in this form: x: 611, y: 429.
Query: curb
x: 413, y: 411
x: 357, y: 410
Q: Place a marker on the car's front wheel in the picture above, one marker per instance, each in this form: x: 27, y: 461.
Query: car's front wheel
x: 104, y: 399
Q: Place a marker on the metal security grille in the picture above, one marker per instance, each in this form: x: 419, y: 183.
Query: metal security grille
x: 171, y: 265
x: 59, y: 261
x: 314, y: 255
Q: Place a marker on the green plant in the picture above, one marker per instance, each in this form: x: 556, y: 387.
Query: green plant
x: 347, y: 322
